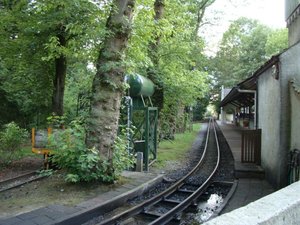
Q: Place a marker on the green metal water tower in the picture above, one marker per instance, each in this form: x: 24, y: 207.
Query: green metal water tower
x: 142, y: 116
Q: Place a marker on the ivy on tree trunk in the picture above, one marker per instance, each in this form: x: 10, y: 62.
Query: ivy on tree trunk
x: 108, y: 84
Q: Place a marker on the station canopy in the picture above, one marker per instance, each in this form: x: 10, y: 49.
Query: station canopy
x: 239, y: 98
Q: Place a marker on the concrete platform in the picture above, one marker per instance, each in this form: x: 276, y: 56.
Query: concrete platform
x: 251, y: 183
x: 59, y: 214
x: 248, y: 190
x: 233, y: 135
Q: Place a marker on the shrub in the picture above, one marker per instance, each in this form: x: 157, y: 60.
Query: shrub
x: 82, y: 163
x: 11, y: 140
x: 122, y: 157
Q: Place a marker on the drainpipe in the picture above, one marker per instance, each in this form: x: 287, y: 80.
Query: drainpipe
x: 254, y: 92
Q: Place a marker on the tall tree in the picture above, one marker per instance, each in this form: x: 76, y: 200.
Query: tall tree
x: 24, y: 77
x: 153, y: 70
x: 245, y: 46
x: 277, y: 42
x: 65, y: 27
x: 242, y: 51
x: 108, y: 84
x: 44, y: 35
x: 179, y: 68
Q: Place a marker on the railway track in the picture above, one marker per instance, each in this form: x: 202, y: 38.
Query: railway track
x: 19, y: 181
x: 167, y: 206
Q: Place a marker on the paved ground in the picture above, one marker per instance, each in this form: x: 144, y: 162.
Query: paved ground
x: 58, y: 214
x: 250, y: 188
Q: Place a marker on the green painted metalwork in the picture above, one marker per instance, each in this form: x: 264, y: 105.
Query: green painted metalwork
x: 139, y: 85
x: 142, y: 117
x: 145, y: 135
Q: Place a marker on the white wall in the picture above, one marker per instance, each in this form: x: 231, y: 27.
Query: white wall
x: 290, y: 6
x: 294, y: 32
x: 290, y: 69
x: 268, y: 90
x: 295, y: 117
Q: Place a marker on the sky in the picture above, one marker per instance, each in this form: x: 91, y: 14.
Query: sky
x: 223, y: 12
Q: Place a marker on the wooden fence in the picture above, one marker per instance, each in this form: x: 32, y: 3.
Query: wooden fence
x: 251, y: 146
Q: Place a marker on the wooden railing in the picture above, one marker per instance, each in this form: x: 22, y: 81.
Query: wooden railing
x: 251, y: 146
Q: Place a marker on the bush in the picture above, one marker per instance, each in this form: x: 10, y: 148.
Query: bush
x: 11, y: 140
x: 122, y: 157
x: 82, y: 163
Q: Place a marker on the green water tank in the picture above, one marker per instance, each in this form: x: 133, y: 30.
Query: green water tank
x: 139, y: 85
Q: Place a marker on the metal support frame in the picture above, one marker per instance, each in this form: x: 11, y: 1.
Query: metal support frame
x: 143, y: 117
x: 147, y: 130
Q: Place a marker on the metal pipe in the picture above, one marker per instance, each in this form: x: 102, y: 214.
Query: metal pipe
x: 246, y: 91
x: 128, y: 102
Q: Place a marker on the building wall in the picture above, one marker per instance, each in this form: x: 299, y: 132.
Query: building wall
x: 295, y: 116
x: 290, y: 6
x: 292, y: 17
x: 290, y: 69
x: 279, y: 116
x: 294, y: 31
x: 268, y: 120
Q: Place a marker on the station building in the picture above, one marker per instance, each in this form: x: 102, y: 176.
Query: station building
x: 269, y: 101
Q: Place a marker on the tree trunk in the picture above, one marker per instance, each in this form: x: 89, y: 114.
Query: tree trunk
x: 59, y: 82
x: 153, y: 73
x: 108, y: 81
x: 159, y: 7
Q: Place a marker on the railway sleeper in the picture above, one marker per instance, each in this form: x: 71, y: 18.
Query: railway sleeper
x: 185, y: 191
x: 189, y: 186
x: 161, y: 207
x: 193, y: 207
x: 154, y: 216
x: 178, y: 195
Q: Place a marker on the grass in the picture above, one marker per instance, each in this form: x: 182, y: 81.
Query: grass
x: 6, y: 157
x: 175, y: 150
x: 26, y: 151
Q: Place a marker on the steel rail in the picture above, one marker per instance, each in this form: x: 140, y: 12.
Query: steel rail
x: 140, y: 207
x: 189, y: 200
x: 8, y: 184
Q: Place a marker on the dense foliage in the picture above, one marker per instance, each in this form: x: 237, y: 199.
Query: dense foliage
x: 245, y: 46
x: 31, y: 33
x: 12, y: 137
x: 30, y: 46
x: 179, y: 54
x: 81, y: 163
